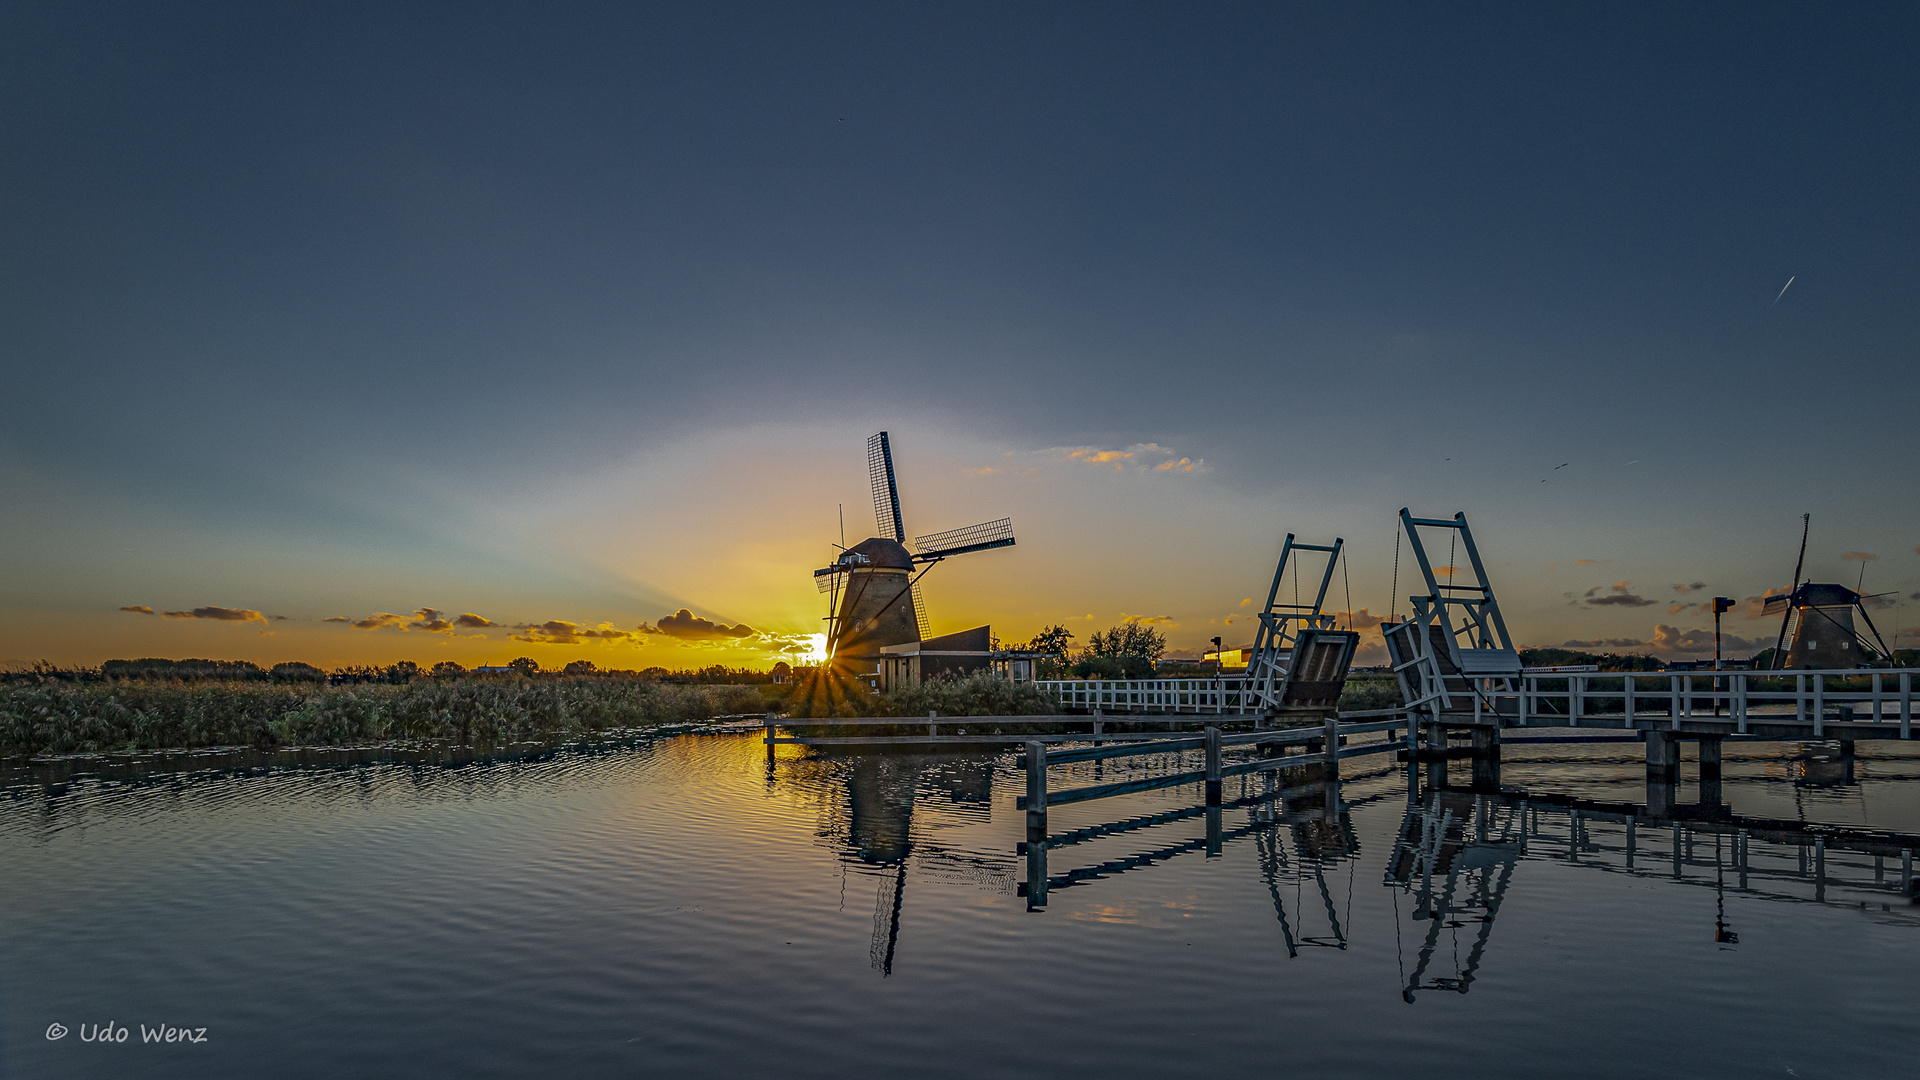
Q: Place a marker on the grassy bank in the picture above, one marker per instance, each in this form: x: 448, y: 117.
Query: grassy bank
x: 82, y: 717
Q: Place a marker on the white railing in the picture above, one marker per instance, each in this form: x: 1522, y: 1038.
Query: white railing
x: 1850, y: 695
x: 1227, y: 694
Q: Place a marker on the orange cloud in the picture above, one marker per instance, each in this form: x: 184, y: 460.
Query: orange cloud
x: 1858, y: 556
x: 222, y: 614
x: 138, y: 609
x: 1091, y: 456
x: 686, y: 625
x: 562, y: 632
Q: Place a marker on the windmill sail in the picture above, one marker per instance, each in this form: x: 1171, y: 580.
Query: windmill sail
x: 886, y: 492
x: 987, y: 534
x: 920, y: 613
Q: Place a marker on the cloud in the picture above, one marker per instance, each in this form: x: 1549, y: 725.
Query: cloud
x: 1672, y: 639
x: 1248, y: 602
x: 1149, y: 620
x: 1675, y: 609
x: 562, y: 632
x: 381, y: 620
x: 1586, y: 562
x: 138, y: 609
x: 283, y: 618
x: 1145, y: 457
x: 474, y: 622
x: 1879, y: 602
x: 431, y: 620
x: 1363, y: 619
x: 685, y: 624
x: 1695, y: 587
x: 1092, y: 456
x: 1605, y: 643
x: 1858, y: 556
x: 1619, y: 596
x: 222, y: 614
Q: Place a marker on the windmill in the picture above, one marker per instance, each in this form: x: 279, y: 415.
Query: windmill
x: 1821, y: 619
x: 875, y: 599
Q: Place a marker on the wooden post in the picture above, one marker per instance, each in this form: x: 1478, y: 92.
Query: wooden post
x: 769, y: 719
x: 933, y: 728
x: 1213, y: 765
x: 1036, y: 825
x: 1710, y: 770
x: 1743, y: 858
x: 1820, y: 870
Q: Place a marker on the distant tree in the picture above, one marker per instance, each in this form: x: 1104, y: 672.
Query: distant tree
x: 525, y: 665
x: 295, y: 671
x: 578, y: 667
x: 1054, y: 639
x: 447, y: 669
x: 1128, y: 651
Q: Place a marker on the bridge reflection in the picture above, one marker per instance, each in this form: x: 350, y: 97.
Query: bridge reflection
x: 1458, y: 849
x: 1453, y: 859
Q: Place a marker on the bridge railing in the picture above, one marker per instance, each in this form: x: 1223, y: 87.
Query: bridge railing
x: 1218, y: 695
x: 1812, y: 697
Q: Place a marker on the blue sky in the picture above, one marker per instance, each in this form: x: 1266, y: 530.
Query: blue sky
x: 584, y: 315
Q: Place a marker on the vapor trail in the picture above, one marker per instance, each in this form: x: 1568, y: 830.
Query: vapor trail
x: 1783, y: 290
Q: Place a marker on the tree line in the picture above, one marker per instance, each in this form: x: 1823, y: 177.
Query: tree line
x: 401, y: 672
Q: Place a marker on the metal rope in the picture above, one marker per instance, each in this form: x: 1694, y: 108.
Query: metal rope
x: 1393, y: 599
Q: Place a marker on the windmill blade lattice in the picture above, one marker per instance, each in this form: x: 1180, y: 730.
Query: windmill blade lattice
x: 987, y: 534
x: 886, y: 492
x: 920, y: 613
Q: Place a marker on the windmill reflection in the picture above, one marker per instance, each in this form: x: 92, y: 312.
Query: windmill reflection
x: 869, y: 804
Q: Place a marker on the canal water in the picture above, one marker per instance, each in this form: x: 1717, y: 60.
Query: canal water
x: 678, y: 908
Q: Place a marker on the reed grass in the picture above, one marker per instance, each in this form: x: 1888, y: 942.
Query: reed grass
x: 111, y: 716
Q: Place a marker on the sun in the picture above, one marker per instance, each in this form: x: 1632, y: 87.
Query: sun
x: 816, y: 648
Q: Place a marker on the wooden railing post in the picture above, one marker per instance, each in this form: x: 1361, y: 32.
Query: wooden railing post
x: 1213, y: 765
x: 1036, y: 824
x: 769, y: 719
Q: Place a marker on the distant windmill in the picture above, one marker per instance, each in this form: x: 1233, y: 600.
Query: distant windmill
x: 875, y: 598
x: 1820, y: 617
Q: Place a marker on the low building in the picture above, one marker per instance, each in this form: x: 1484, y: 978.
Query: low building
x: 953, y: 656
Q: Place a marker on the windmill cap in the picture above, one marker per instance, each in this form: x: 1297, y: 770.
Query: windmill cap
x: 883, y: 554
x: 1815, y: 595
